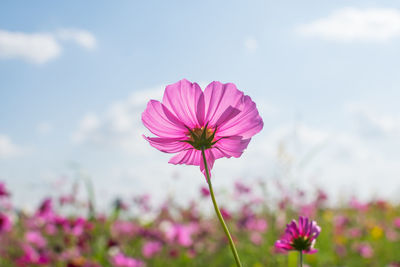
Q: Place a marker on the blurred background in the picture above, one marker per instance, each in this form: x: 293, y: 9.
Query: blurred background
x: 75, y: 77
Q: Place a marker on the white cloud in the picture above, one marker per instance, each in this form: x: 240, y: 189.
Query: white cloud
x: 40, y: 48
x: 251, y: 44
x: 87, y: 128
x: 120, y: 125
x: 34, y: 47
x: 80, y: 37
x: 355, y: 24
x: 374, y: 124
x: 8, y: 149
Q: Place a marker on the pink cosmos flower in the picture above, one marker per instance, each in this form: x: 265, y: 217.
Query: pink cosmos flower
x: 3, y: 190
x: 35, y: 238
x: 221, y: 120
x: 120, y: 260
x: 181, y: 234
x: 205, y: 192
x: 32, y: 257
x: 5, y: 223
x: 299, y: 236
x: 151, y: 248
x: 365, y: 250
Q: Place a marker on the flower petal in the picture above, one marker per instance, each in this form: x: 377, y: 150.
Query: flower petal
x: 218, y: 97
x: 188, y: 157
x: 232, y: 146
x: 160, y: 121
x: 186, y: 101
x: 246, y: 124
x: 168, y: 145
x: 210, y: 158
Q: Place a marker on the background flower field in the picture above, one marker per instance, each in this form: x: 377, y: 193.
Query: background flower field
x: 65, y: 231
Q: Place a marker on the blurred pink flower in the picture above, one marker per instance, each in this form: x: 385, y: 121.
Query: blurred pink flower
x: 182, y: 234
x: 123, y: 228
x: 205, y: 192
x: 365, y: 250
x: 120, y: 260
x: 355, y: 232
x: 221, y: 120
x: 396, y: 222
x: 256, y: 238
x: 32, y: 257
x: 354, y: 203
x: 225, y: 213
x: 254, y: 224
x: 241, y: 188
x: 308, y: 210
x: 5, y: 223
x: 151, y: 248
x: 35, y: 238
x: 3, y: 190
x: 299, y: 236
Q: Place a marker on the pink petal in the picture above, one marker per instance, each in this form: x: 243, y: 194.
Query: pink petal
x: 245, y: 124
x: 188, y: 157
x: 218, y: 98
x: 186, y: 101
x: 232, y: 146
x: 168, y: 145
x: 161, y: 122
x: 210, y: 158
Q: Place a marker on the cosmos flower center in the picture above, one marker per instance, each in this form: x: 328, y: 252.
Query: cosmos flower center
x: 301, y: 243
x: 202, y: 138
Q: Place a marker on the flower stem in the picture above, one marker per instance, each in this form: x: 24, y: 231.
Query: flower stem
x: 218, y: 212
x: 301, y: 258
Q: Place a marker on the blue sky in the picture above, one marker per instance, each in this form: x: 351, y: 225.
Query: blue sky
x: 75, y: 76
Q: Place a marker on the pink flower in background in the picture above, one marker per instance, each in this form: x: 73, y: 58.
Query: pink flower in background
x: 5, y: 223
x: 182, y: 234
x: 120, y: 260
x: 32, y: 257
x: 35, y: 238
x: 299, y: 236
x: 396, y: 222
x: 221, y: 120
x: 205, y: 192
x: 151, y: 248
x: 365, y: 250
x: 241, y: 188
x: 254, y: 224
x: 3, y: 190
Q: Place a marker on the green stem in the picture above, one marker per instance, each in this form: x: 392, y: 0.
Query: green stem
x: 301, y: 258
x: 218, y: 212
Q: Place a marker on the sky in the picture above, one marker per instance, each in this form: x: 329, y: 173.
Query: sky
x: 75, y: 77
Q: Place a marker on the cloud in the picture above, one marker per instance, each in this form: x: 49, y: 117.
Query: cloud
x: 33, y: 47
x: 120, y: 125
x: 251, y: 44
x: 80, y: 37
x: 374, y: 124
x: 355, y: 24
x: 8, y: 149
x: 40, y: 48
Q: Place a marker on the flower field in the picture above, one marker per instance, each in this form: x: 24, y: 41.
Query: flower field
x: 352, y: 234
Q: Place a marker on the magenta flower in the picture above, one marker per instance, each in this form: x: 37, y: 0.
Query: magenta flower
x: 299, y: 236
x: 120, y: 260
x: 221, y: 120
x: 5, y: 223
x: 35, y: 238
x: 3, y: 190
x: 151, y: 248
